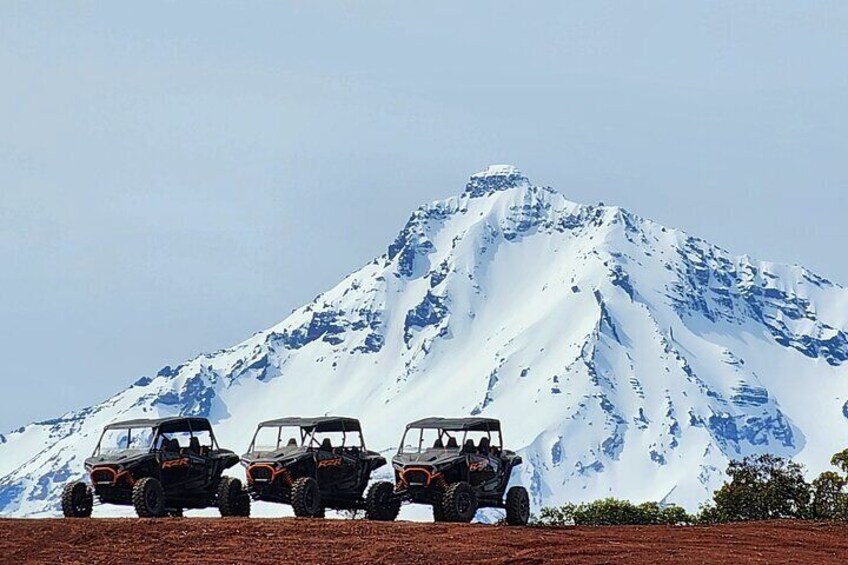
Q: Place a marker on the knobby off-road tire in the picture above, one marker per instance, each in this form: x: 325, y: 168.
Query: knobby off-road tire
x: 459, y: 502
x: 243, y: 505
x: 306, y: 498
x: 517, y: 506
x: 380, y: 502
x: 438, y: 512
x: 148, y: 497
x: 233, y: 499
x: 77, y: 500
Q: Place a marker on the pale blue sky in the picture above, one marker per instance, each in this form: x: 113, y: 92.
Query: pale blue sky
x: 176, y: 177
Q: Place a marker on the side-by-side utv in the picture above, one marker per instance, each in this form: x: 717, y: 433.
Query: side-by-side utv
x: 311, y: 464
x: 455, y: 465
x: 160, y: 467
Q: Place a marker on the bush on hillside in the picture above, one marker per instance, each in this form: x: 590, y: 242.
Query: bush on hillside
x: 612, y: 512
x: 765, y: 487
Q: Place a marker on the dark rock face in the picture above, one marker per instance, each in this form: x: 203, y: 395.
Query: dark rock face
x: 494, y: 179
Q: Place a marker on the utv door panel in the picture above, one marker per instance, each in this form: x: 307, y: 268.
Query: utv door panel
x: 482, y: 470
x: 174, y: 468
x: 335, y: 470
x: 200, y: 468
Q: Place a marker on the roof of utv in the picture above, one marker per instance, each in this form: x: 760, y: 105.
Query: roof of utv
x: 457, y: 424
x: 168, y: 424
x: 318, y: 424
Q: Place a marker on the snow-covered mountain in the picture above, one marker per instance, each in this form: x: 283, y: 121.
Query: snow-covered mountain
x: 624, y: 358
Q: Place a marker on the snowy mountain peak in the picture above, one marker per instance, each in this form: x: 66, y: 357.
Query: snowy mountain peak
x: 495, y: 178
x: 497, y: 171
x: 623, y: 358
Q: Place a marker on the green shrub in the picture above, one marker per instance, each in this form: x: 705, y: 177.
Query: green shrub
x: 608, y: 512
x: 764, y: 487
x: 555, y: 516
x: 612, y: 512
x: 673, y: 515
x: 708, y: 515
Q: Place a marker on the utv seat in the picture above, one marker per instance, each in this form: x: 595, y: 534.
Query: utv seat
x: 327, y: 445
x: 468, y: 447
x: 292, y: 442
x: 194, y: 446
x: 438, y: 444
x: 483, y: 448
x: 452, y: 443
x: 171, y: 445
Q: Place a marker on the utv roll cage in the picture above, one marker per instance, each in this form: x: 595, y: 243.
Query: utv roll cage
x: 161, y: 426
x: 309, y: 427
x: 447, y: 441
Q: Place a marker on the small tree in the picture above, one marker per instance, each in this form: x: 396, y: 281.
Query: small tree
x: 829, y: 499
x: 765, y: 487
x: 840, y: 461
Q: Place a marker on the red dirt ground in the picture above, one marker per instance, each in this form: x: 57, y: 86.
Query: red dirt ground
x: 288, y: 540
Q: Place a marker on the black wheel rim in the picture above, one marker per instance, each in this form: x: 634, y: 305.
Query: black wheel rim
x: 524, y: 508
x: 151, y: 498
x: 463, y: 503
x: 80, y: 504
x: 311, y: 500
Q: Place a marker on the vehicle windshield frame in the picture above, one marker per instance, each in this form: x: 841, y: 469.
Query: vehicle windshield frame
x: 157, y: 429
x: 443, y: 434
x: 183, y: 427
x: 98, y: 450
x: 309, y: 434
x: 308, y: 437
x: 252, y: 448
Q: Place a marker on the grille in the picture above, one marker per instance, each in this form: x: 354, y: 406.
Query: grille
x: 260, y: 474
x: 102, y: 476
x: 416, y: 477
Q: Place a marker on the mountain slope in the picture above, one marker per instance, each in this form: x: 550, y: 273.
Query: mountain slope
x: 624, y: 358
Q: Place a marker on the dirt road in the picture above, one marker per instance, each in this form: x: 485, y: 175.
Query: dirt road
x: 210, y: 540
